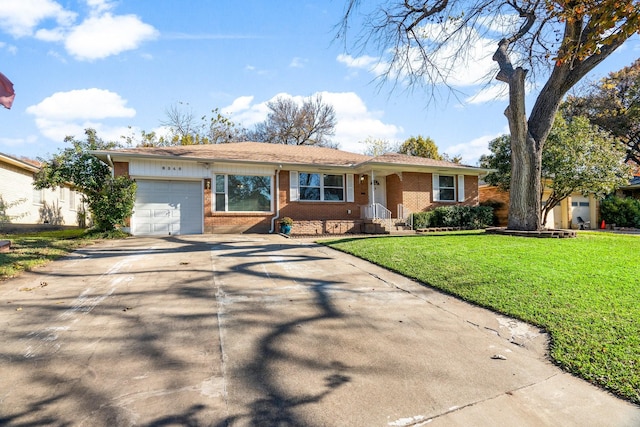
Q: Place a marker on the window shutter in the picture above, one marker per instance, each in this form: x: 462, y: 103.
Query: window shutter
x: 461, y: 188
x: 350, y: 196
x: 293, y: 186
x: 436, y: 187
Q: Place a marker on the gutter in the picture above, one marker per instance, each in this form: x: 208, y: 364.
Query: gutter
x: 111, y: 165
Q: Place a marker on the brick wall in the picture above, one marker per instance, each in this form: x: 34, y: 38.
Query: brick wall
x: 415, y: 189
x: 311, y: 218
x: 121, y: 168
x: 394, y: 194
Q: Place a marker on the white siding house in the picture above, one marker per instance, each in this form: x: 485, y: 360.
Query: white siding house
x: 25, y: 205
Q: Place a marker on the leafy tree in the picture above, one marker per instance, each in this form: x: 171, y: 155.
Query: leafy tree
x: 427, y: 148
x: 578, y: 157
x: 110, y: 200
x: 453, y: 159
x: 185, y: 129
x: 420, y: 147
x: 378, y: 147
x: 613, y: 103
x: 416, y: 39
x: 288, y: 122
x: 500, y: 160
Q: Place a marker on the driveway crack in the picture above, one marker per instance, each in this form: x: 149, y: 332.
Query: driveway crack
x: 220, y: 306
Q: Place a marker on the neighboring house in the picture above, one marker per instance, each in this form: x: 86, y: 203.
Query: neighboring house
x: 247, y: 187
x: 631, y: 190
x: 26, y: 205
x: 563, y: 216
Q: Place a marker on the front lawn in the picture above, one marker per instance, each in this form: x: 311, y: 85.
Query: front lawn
x: 585, y: 291
x: 30, y: 250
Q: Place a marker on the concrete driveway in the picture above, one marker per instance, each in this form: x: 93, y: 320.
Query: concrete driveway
x: 265, y: 331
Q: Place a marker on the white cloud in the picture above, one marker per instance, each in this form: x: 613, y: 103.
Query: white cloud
x: 20, y: 17
x: 15, y: 142
x: 69, y: 113
x: 240, y: 104
x: 12, y: 49
x: 450, y: 67
x: 100, y: 35
x: 497, y: 91
x: 99, y: 6
x: 106, y: 35
x: 354, y: 120
x: 54, y: 35
x: 472, y: 150
x: 365, y: 62
x: 297, y: 62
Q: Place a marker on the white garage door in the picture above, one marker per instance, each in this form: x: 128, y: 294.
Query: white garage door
x: 579, y: 208
x: 165, y: 208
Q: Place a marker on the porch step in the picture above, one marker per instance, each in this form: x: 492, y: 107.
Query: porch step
x: 375, y: 226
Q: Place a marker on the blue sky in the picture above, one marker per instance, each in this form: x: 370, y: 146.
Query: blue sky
x: 117, y: 66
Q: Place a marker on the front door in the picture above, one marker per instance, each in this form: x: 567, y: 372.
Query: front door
x: 380, y: 190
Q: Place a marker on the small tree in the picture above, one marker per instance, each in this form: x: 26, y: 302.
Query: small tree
x: 185, y: 129
x: 578, y: 158
x: 110, y: 200
x: 378, y: 147
x: 420, y: 147
x: 288, y: 122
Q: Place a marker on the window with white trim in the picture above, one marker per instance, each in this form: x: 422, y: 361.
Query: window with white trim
x: 242, y: 193
x: 63, y: 192
x: 321, y: 187
x: 72, y: 199
x: 444, y: 188
x: 38, y: 196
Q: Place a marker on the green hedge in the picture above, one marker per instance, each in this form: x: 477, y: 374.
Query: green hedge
x: 468, y: 217
x: 621, y: 211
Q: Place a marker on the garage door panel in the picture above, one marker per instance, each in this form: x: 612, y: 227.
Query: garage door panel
x: 141, y: 228
x: 161, y: 228
x: 168, y: 207
x: 162, y: 213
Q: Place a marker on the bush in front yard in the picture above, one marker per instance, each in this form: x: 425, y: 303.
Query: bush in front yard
x: 621, y: 211
x: 468, y: 217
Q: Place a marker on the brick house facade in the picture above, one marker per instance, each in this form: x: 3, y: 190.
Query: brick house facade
x: 248, y: 187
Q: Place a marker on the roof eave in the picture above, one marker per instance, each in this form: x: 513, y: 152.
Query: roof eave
x: 392, y: 167
x: 19, y: 163
x: 120, y: 156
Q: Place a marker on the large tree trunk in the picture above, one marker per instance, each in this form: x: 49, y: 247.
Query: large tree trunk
x: 526, y: 161
x: 526, y: 151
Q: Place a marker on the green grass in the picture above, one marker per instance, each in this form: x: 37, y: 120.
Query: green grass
x: 585, y: 292
x: 32, y: 250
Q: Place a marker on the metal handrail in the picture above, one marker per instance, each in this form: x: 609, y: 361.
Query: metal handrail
x: 376, y: 211
x: 406, y: 215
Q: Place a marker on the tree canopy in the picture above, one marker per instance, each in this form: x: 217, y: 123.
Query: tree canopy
x: 578, y: 158
x: 426, y: 43
x: 378, y: 147
x: 420, y: 147
x: 311, y: 123
x: 185, y: 129
x: 110, y: 200
x: 613, y: 104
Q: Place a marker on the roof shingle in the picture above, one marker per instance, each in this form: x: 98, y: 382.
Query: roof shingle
x: 256, y: 152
